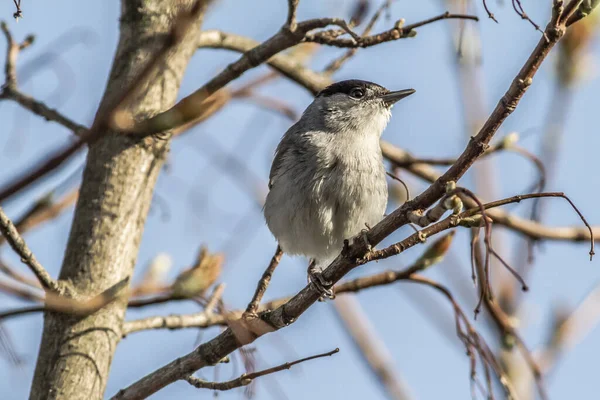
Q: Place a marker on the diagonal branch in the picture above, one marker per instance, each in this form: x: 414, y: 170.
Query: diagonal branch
x: 263, y: 283
x: 41, y: 109
x: 17, y: 243
x: 291, y: 23
x: 287, y: 65
x: 10, y: 89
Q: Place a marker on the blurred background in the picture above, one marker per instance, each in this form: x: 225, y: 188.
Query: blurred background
x: 211, y: 191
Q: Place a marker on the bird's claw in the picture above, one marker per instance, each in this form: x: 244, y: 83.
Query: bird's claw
x: 365, y: 236
x: 315, y: 277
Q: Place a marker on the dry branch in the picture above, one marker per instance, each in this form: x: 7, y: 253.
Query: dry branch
x: 246, y: 379
x: 17, y: 243
x: 399, y: 31
x: 263, y: 283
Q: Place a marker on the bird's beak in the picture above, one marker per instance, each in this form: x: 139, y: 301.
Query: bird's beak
x: 392, y: 97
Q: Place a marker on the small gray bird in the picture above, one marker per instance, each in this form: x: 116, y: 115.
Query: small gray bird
x: 328, y: 182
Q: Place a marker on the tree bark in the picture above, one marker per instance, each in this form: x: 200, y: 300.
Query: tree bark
x: 76, y: 353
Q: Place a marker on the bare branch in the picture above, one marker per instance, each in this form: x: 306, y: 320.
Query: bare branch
x: 524, y: 226
x: 472, y: 340
x: 336, y: 64
x: 26, y: 280
x: 521, y: 13
x: 287, y: 65
x: 291, y: 23
x: 330, y: 38
x: 17, y: 243
x: 263, y: 283
x: 246, y: 379
x: 202, y: 319
x: 433, y: 254
x: 10, y: 89
x: 62, y: 304
x: 44, y: 210
x: 456, y: 220
x: 39, y: 108
x: 19, y: 13
x: 489, y: 13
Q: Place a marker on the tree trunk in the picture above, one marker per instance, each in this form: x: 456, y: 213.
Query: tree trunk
x: 76, y: 353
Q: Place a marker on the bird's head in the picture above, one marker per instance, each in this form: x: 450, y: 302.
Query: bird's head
x: 354, y: 106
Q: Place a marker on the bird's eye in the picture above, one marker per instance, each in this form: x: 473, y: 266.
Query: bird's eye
x: 357, y: 93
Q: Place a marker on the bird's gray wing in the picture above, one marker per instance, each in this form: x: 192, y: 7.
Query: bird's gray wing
x: 280, y: 153
x: 284, y: 151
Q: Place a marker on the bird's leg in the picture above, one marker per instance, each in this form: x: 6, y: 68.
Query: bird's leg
x: 449, y: 202
x: 346, y: 248
x: 315, y: 276
x: 365, y: 236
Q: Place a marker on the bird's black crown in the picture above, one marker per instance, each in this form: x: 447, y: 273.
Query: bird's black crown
x: 347, y: 86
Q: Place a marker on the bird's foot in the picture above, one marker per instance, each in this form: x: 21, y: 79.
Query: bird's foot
x: 315, y: 277
x: 365, y: 237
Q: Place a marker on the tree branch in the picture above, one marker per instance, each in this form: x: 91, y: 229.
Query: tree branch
x: 39, y: 108
x: 285, y: 64
x: 44, y: 210
x: 246, y: 379
x: 291, y: 23
x: 10, y: 89
x: 263, y: 283
x: 17, y: 243
x: 397, y: 32
x: 526, y: 227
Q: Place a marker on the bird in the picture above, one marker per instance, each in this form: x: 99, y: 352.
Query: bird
x: 327, y: 180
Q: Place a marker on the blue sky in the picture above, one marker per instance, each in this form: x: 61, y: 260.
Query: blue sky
x: 429, y: 124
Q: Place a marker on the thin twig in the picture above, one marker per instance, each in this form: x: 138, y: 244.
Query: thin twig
x: 263, y: 283
x: 455, y: 220
x: 19, y: 13
x: 489, y: 13
x: 44, y: 210
x: 291, y: 23
x: 39, y: 108
x: 471, y: 339
x: 26, y: 280
x: 336, y: 64
x: 519, y: 10
x: 17, y: 243
x: 524, y: 226
x: 397, y: 32
x: 246, y: 379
